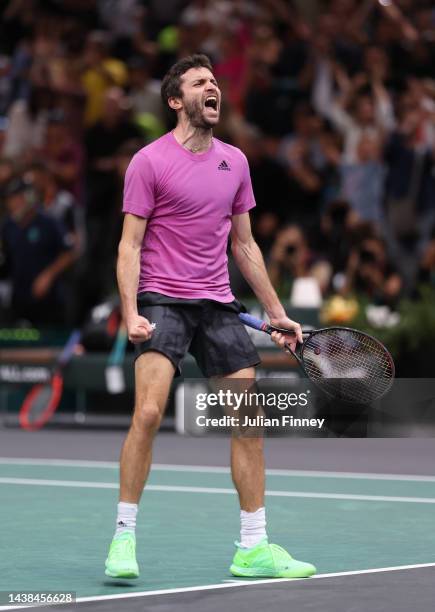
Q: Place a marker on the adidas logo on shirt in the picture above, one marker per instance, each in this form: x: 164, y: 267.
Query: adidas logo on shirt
x: 224, y: 166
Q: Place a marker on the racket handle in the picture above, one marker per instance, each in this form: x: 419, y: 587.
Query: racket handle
x: 255, y: 323
x: 69, y: 347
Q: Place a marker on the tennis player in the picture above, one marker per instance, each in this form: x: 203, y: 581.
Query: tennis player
x: 184, y: 194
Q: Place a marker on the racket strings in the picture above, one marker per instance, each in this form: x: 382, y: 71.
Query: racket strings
x: 348, y: 364
x: 338, y: 355
x: 40, y: 402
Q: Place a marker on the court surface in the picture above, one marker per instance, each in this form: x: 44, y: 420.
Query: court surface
x: 361, y: 510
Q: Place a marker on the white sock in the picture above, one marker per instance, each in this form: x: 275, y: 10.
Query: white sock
x: 253, y: 527
x: 126, y: 519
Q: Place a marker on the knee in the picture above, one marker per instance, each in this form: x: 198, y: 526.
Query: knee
x: 147, y: 417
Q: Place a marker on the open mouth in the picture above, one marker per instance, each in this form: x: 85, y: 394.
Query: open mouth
x: 211, y: 102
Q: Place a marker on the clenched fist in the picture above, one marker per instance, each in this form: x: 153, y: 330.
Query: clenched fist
x: 139, y: 329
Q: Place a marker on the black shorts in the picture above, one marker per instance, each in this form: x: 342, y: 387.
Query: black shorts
x: 210, y: 331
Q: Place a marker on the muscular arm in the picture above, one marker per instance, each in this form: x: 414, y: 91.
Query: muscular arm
x: 250, y: 262
x: 127, y: 272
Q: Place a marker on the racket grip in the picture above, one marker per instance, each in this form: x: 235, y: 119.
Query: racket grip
x: 255, y: 323
x: 70, y: 346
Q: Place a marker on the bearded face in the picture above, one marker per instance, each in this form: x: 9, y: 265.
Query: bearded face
x: 199, y: 115
x: 201, y: 98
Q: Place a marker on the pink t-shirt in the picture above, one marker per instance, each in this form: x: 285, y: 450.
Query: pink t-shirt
x: 189, y: 200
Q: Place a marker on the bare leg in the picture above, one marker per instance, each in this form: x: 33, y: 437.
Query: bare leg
x: 247, y: 469
x: 247, y: 460
x: 153, y: 374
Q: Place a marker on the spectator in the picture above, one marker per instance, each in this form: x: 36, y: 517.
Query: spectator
x: 35, y: 254
x: 270, y: 185
x: 28, y: 123
x: 363, y: 182
x: 290, y: 258
x: 356, y: 111
x: 103, y: 141
x: 231, y: 68
x: 410, y: 192
x: 58, y: 203
x: 63, y: 154
x: 301, y: 153
x: 100, y: 73
x: 371, y: 274
x: 144, y: 94
x: 266, y: 104
x: 125, y: 22
x: 334, y: 241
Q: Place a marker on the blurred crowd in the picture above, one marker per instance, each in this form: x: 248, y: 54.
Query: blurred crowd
x: 333, y: 102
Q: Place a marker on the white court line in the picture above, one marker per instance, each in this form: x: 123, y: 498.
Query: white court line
x: 229, y: 585
x: 217, y: 470
x: 216, y: 490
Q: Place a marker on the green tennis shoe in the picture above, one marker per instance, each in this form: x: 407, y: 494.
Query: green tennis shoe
x: 121, y: 561
x: 268, y: 561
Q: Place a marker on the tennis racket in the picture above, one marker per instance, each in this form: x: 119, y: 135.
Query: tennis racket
x: 43, y: 399
x: 114, y: 373
x: 344, y: 363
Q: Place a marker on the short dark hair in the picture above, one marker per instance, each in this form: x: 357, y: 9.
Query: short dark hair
x: 171, y: 84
